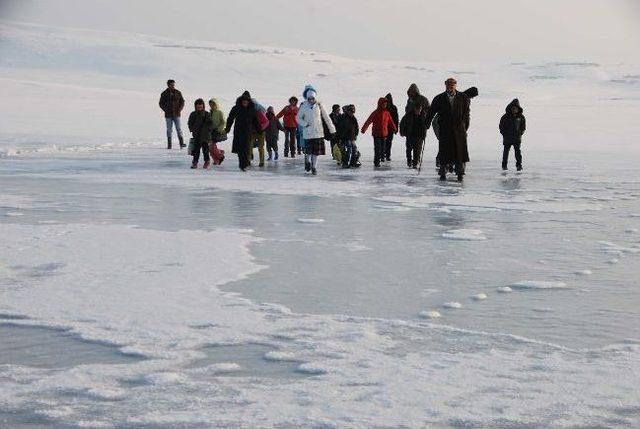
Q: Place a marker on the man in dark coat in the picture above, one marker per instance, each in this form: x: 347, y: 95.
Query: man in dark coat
x: 453, y: 110
x: 172, y: 103
x: 472, y: 93
x: 512, y: 126
x: 245, y: 117
x: 200, y: 125
x: 393, y: 110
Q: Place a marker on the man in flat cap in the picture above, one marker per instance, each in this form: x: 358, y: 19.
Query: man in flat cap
x: 453, y: 110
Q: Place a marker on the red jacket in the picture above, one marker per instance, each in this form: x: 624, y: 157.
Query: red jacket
x: 381, y: 120
x: 290, y: 113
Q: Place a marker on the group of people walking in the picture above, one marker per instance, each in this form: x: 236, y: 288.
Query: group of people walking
x: 307, y: 126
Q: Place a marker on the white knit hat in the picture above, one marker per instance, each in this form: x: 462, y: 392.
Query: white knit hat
x: 311, y: 94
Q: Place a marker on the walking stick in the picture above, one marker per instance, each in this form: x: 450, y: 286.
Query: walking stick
x: 424, y: 143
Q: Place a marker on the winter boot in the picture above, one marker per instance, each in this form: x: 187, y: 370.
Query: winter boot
x: 307, y: 165
x: 275, y: 157
x: 181, y: 140
x: 206, y: 165
x: 519, y: 168
x: 194, y: 165
x: 460, y: 177
x: 269, y: 158
x: 169, y: 143
x: 443, y: 177
x: 314, y: 171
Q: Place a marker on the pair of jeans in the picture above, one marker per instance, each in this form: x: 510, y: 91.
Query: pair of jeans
x: 387, y: 146
x: 174, y: 121
x: 414, y: 151
x: 290, y: 141
x: 378, y: 150
x: 204, y: 147
x: 505, y: 154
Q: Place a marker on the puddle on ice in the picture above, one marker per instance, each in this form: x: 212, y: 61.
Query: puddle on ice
x: 42, y: 347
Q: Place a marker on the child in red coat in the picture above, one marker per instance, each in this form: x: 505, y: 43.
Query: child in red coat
x: 382, y: 122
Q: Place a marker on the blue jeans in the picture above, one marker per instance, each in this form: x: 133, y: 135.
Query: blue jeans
x: 170, y: 122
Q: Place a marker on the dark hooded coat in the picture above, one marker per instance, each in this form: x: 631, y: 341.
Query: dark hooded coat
x: 453, y: 121
x: 415, y: 98
x: 393, y: 110
x: 244, y: 121
x: 512, y: 127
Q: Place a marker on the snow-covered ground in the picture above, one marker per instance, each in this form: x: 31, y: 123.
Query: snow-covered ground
x: 353, y: 299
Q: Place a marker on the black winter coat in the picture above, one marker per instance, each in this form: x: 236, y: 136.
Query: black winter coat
x: 244, y: 121
x: 512, y: 127
x: 413, y: 127
x: 201, y: 126
x: 348, y: 127
x: 453, y: 121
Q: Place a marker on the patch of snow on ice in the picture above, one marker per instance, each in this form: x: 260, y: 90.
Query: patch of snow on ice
x: 505, y: 289
x: 452, y: 305
x: 429, y: 314
x: 303, y: 220
x: 311, y: 369
x: 275, y: 356
x: 479, y: 297
x: 538, y: 285
x: 464, y: 235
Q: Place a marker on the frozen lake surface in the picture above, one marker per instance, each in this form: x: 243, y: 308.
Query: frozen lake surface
x: 109, y: 245
x: 136, y: 293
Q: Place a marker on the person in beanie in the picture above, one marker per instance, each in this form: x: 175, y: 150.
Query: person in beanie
x: 272, y: 134
x: 172, y: 103
x: 414, y: 128
x: 244, y: 119
x: 382, y: 123
x: 313, y: 118
x: 289, y: 114
x: 453, y: 110
x: 348, y: 130
x: 200, y: 126
x: 218, y: 131
x: 512, y: 126
x: 393, y: 110
x: 335, y: 116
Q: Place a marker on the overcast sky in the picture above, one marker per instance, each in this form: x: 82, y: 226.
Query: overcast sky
x: 429, y: 30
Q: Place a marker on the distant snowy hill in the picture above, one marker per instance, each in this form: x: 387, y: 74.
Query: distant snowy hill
x: 105, y: 86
